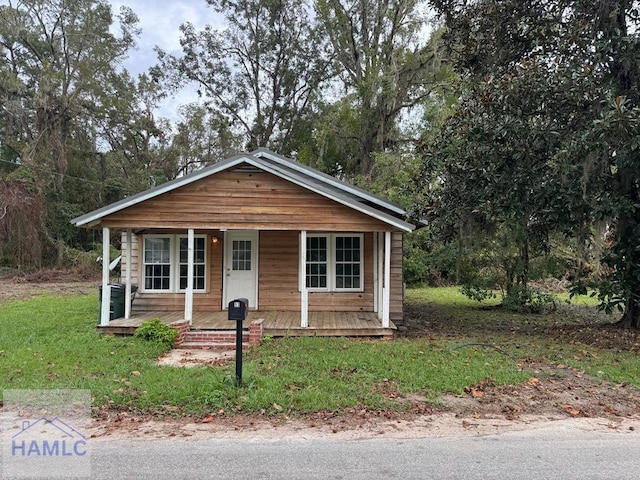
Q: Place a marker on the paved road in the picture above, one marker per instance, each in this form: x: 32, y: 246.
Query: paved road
x: 532, y: 455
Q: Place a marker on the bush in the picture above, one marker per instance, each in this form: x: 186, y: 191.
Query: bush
x: 528, y: 300
x: 476, y: 292
x: 155, y: 331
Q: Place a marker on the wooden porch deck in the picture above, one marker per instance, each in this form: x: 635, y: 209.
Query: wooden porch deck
x: 276, y: 323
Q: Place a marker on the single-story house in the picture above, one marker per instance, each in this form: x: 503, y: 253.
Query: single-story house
x: 310, y: 252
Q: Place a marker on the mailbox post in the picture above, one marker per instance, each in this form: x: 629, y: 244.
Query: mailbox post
x: 237, y: 310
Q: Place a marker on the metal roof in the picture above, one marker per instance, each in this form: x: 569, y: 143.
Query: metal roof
x: 287, y: 169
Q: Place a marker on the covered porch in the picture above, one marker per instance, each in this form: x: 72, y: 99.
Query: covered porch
x: 275, y: 323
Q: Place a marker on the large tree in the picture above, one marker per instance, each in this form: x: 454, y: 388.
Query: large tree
x: 262, y: 70
x: 387, y: 64
x: 583, y: 108
x: 55, y: 57
x: 60, y: 78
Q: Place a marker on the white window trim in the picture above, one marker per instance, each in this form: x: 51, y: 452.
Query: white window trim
x: 174, y: 262
x: 331, y: 262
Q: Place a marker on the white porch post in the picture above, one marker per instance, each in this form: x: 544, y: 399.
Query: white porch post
x: 387, y: 280
x: 302, y: 281
x: 127, y: 298
x: 380, y: 270
x: 188, y: 295
x: 105, y: 309
x: 376, y: 275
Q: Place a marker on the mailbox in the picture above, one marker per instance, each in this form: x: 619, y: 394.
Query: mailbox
x: 238, y: 309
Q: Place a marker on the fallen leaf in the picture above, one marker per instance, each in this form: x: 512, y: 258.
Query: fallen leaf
x: 277, y: 407
x: 475, y: 393
x: 208, y: 419
x: 135, y: 372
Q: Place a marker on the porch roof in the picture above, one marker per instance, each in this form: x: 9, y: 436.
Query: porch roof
x: 287, y: 169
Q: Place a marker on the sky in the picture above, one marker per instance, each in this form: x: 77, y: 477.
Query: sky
x: 159, y: 21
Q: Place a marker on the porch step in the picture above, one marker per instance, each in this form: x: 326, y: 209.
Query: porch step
x: 214, y: 336
x: 212, y: 345
x: 213, y: 340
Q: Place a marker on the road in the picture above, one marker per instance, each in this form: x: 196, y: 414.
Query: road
x: 537, y: 454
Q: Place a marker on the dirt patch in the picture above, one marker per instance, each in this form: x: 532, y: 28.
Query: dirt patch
x: 345, y: 426
x: 181, y: 357
x: 19, y: 289
x: 555, y: 391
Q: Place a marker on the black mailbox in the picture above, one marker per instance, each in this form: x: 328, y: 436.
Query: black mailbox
x: 238, y: 309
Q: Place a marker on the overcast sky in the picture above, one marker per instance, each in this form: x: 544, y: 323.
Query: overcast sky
x: 159, y: 21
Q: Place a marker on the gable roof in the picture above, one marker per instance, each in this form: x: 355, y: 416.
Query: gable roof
x: 287, y: 169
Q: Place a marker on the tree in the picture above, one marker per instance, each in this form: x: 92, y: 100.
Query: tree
x: 387, y: 64
x: 55, y: 55
x: 262, y: 71
x: 202, y: 138
x: 57, y: 59
x: 586, y: 90
x: 498, y: 191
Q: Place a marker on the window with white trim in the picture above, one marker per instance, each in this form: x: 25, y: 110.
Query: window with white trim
x: 334, y: 262
x: 199, y: 262
x: 165, y: 263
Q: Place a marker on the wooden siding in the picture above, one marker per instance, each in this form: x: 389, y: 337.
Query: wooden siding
x: 135, y: 273
x: 243, y: 200
x: 278, y: 271
x: 396, y: 294
x: 278, y: 278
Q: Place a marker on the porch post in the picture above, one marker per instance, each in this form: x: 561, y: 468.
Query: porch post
x: 188, y: 295
x: 380, y: 270
x: 387, y: 280
x: 105, y: 310
x: 376, y: 274
x: 302, y: 281
x: 127, y: 298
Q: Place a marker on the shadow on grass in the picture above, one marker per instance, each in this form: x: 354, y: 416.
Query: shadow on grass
x: 446, y: 312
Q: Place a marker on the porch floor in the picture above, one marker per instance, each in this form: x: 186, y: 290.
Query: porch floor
x: 276, y: 323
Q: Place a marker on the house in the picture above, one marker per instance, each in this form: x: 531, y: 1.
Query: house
x: 312, y: 254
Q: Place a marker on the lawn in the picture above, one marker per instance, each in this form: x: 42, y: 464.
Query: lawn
x: 51, y: 342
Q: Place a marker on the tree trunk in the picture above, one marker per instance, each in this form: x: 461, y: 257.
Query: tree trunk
x: 524, y: 264
x: 631, y: 316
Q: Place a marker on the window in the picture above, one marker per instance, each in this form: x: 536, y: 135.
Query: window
x: 157, y: 263
x: 316, y: 262
x: 165, y: 262
x: 348, y: 262
x: 334, y: 262
x: 199, y: 263
x: 241, y: 255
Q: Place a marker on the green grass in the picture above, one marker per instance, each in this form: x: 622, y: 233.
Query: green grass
x: 532, y: 336
x: 51, y: 342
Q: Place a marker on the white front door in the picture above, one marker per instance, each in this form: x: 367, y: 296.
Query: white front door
x: 241, y: 267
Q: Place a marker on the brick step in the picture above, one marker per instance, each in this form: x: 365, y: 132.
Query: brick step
x: 212, y: 346
x: 219, y: 336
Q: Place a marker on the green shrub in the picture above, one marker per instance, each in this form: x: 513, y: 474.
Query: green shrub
x: 528, y: 300
x: 476, y: 292
x: 155, y: 331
